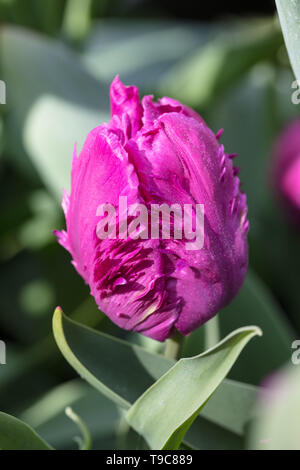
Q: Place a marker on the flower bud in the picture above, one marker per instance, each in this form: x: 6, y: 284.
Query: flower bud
x: 153, y: 157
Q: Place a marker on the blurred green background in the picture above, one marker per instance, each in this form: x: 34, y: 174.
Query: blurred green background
x: 57, y: 58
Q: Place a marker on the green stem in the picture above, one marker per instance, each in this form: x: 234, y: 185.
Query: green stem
x: 212, y: 332
x: 85, y: 442
x: 174, y: 346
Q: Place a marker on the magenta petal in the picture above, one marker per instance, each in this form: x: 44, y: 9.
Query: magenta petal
x: 286, y: 170
x: 125, y: 105
x: 291, y: 182
x: 99, y: 174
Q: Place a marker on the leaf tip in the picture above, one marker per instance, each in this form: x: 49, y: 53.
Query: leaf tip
x: 258, y: 331
x: 57, y: 321
x: 58, y: 313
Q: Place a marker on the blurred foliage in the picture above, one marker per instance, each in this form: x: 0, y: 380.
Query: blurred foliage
x: 58, y: 58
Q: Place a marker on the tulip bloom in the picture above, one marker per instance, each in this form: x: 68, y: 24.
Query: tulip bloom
x: 286, y: 170
x: 156, y: 153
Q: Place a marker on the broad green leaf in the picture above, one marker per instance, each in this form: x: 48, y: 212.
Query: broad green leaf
x: 52, y: 152
x: 49, y: 86
x: 200, y: 78
x: 231, y: 406
x: 277, y: 424
x: 247, y: 117
x: 141, y: 52
x: 103, y: 419
x: 120, y: 371
x: 279, y: 251
x: 45, y: 67
x: 165, y: 412
x: 289, y: 15
x: 16, y: 435
x: 205, y: 435
x: 123, y: 371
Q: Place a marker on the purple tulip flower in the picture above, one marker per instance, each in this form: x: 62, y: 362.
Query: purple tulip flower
x: 156, y: 153
x: 286, y: 170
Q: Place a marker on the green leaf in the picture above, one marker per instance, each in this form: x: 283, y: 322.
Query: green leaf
x: 231, y: 406
x: 289, y: 15
x: 52, y: 102
x: 123, y: 371
x: 205, y: 435
x: 52, y: 152
x: 103, y: 419
x: 120, y: 371
x: 247, y: 116
x: 141, y: 52
x: 276, y: 253
x: 203, y: 76
x: 16, y: 435
x: 165, y: 412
